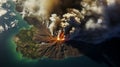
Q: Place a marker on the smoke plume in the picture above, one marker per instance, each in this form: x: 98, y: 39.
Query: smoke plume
x: 98, y: 19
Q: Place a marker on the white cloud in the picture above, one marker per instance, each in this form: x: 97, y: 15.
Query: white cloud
x: 1, y: 29
x: 2, y: 12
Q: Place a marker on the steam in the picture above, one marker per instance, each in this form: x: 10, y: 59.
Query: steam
x: 107, y: 24
x: 111, y: 2
x: 38, y: 8
x: 55, y: 21
x: 79, y: 18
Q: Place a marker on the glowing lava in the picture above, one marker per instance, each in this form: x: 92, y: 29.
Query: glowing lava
x: 60, y: 36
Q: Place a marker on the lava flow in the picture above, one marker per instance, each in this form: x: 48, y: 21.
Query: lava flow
x: 60, y: 36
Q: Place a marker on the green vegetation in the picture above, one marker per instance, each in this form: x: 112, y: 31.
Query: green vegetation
x: 25, y: 42
x: 29, y: 44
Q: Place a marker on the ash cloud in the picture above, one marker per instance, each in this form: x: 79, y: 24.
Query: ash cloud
x: 101, y: 30
x: 39, y: 8
x: 100, y: 19
x: 43, y: 8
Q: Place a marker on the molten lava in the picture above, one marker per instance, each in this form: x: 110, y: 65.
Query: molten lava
x: 60, y: 36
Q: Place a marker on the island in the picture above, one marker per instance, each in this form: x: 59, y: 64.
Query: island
x: 57, y: 29
x: 37, y: 42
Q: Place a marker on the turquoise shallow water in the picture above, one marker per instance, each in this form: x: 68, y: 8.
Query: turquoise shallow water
x: 9, y: 57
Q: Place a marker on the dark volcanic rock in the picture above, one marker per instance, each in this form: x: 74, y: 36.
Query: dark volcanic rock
x: 52, y: 49
x: 37, y: 42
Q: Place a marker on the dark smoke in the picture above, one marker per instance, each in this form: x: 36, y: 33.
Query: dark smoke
x: 101, y: 23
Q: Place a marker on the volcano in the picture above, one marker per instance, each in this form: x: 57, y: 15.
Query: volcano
x: 58, y: 28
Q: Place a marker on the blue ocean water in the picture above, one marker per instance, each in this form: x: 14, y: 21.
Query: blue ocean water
x: 9, y: 57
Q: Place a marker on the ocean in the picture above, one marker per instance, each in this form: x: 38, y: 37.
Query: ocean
x: 9, y: 57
